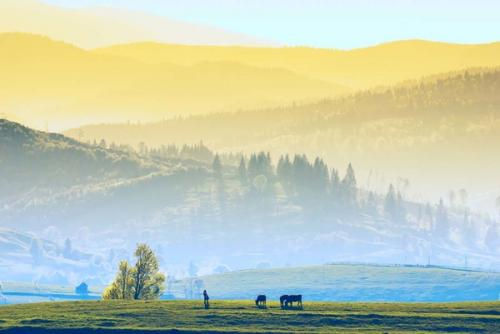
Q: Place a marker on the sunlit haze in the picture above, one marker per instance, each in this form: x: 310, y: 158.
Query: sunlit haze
x: 249, y: 166
x: 341, y: 24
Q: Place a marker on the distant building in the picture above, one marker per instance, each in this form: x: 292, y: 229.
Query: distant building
x: 82, y: 289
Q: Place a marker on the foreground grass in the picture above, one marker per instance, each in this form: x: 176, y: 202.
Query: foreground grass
x: 242, y: 316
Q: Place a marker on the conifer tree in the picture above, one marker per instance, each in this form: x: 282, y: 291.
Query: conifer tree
x: 400, y: 208
x: 349, y: 189
x: 371, y: 204
x: 320, y: 176
x: 335, y: 186
x: 252, y: 169
x: 242, y: 172
x: 441, y: 227
x: 217, y: 166
x: 284, y: 173
x: 390, y: 202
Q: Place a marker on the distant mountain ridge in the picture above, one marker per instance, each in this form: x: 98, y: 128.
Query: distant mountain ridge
x: 45, y: 80
x: 55, y: 82
x: 363, y: 68
x: 101, y: 26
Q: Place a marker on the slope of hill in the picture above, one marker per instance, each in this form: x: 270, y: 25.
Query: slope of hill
x: 32, y: 159
x: 390, y: 132
x: 344, y: 282
x: 102, y: 26
x: 48, y: 81
x: 385, y: 64
x: 44, y: 80
x: 27, y: 257
x: 183, y: 207
x: 59, y: 175
x: 53, y: 188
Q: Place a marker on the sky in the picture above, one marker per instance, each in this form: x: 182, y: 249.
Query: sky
x: 342, y: 24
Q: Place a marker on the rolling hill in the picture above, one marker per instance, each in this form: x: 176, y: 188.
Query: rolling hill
x: 39, y: 169
x: 420, y: 130
x: 54, y: 82
x: 34, y: 258
x: 91, y: 27
x: 380, y: 65
x: 51, y: 81
x: 106, y: 198
x: 60, y: 162
x: 351, y: 282
x: 53, y: 189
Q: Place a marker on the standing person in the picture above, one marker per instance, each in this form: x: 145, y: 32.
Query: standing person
x: 205, y: 299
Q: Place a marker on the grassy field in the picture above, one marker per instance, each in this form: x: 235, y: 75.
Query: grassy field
x: 242, y: 316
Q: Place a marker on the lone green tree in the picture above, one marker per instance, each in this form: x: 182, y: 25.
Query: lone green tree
x: 142, y: 281
x: 122, y: 286
x: 148, y: 282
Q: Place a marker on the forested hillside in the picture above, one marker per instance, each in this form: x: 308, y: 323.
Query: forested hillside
x: 200, y: 205
x: 431, y: 132
x: 46, y: 178
x: 30, y: 159
x: 56, y: 191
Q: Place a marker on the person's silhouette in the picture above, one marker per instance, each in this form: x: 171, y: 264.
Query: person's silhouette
x: 205, y: 299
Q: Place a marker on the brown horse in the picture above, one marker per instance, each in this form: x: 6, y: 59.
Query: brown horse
x: 260, y: 301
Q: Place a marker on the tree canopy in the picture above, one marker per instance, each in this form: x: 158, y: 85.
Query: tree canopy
x: 141, y: 281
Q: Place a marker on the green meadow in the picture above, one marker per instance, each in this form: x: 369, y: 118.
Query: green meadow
x: 244, y: 317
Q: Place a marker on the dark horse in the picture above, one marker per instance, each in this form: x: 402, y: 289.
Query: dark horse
x: 260, y: 301
x: 290, y: 299
x: 294, y: 299
x: 283, y: 301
